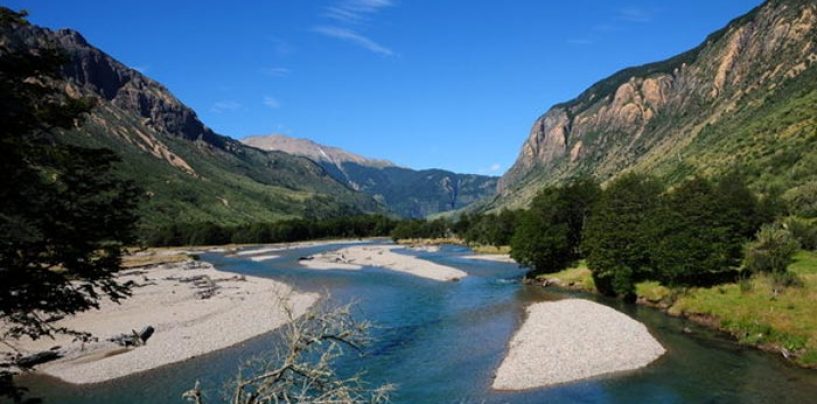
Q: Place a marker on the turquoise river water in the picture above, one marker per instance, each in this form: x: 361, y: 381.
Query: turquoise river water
x: 441, y: 342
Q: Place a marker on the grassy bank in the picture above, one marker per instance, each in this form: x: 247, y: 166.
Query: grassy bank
x: 753, y: 310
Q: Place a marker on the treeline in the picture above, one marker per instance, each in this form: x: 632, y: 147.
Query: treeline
x: 276, y: 232
x: 697, y: 233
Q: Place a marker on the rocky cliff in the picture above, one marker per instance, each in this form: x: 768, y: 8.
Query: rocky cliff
x: 691, y: 113
x: 189, y: 173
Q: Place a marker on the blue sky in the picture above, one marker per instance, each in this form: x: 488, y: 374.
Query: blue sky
x: 424, y: 83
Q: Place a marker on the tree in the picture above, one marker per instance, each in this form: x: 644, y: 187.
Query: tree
x: 700, y: 229
x: 771, y: 251
x: 548, y: 236
x: 301, y: 367
x: 65, y: 216
x: 616, y: 238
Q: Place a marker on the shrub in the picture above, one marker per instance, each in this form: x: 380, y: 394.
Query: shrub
x: 804, y: 231
x: 772, y: 250
x: 802, y: 200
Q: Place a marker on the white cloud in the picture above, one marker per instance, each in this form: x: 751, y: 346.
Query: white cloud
x: 224, y: 106
x: 349, y: 17
x: 355, y: 11
x: 271, y: 102
x: 354, y: 38
x: 276, y: 71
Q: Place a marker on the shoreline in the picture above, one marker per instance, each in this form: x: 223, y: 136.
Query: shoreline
x: 571, y: 340
x: 356, y: 257
x: 193, y: 308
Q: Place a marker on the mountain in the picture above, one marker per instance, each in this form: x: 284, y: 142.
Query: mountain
x: 189, y: 172
x: 746, y: 98
x: 406, y: 192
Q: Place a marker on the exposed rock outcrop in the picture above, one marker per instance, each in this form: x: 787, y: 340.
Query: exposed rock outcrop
x: 646, y: 116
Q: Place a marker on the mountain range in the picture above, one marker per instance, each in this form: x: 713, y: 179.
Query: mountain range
x: 745, y: 99
x: 192, y: 174
x: 406, y: 192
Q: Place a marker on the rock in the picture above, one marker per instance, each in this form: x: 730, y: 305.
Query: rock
x: 37, y: 358
x: 146, y: 333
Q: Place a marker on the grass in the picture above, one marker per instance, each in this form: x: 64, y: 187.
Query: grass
x: 491, y: 249
x: 578, y: 277
x: 431, y: 241
x: 752, y: 310
x: 756, y: 314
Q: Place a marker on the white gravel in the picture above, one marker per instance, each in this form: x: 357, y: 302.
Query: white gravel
x: 574, y: 339
x: 353, y: 258
x: 186, y: 324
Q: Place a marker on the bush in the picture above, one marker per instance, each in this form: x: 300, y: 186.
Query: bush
x: 804, y: 231
x: 802, y: 200
x: 772, y: 251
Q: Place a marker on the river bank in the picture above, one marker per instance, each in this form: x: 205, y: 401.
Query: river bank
x: 356, y: 257
x: 184, y: 307
x: 755, y: 312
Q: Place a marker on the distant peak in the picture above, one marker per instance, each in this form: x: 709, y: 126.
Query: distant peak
x: 312, y: 150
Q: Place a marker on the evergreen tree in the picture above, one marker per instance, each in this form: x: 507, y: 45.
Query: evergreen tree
x: 616, y: 241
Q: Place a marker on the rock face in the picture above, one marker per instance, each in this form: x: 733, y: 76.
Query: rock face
x: 684, y: 114
x: 189, y: 172
x: 407, y: 192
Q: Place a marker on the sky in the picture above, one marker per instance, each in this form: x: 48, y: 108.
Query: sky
x: 423, y: 83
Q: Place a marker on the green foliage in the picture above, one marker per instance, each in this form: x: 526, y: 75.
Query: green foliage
x: 549, y: 234
x: 207, y: 233
x: 617, y: 238
x: 407, y: 229
x: 772, y: 251
x: 699, y: 231
x: 804, y: 231
x: 802, y: 200
x: 487, y: 229
x: 541, y: 244
x: 65, y: 216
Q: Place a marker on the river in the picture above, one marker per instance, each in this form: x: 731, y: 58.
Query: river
x: 441, y: 342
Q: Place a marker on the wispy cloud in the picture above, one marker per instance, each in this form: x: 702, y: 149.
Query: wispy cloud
x: 276, y: 71
x: 225, y: 106
x: 634, y: 14
x: 349, y: 18
x: 355, y: 11
x: 355, y: 38
x: 492, y: 169
x: 141, y: 69
x: 271, y: 102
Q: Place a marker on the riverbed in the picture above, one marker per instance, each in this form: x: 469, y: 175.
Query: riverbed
x: 443, y: 342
